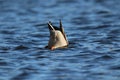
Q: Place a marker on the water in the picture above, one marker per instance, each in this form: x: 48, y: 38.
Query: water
x: 92, y: 28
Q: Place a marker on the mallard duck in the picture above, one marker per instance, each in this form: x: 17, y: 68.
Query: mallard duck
x: 57, y: 37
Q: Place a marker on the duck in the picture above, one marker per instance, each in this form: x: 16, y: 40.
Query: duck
x: 57, y: 38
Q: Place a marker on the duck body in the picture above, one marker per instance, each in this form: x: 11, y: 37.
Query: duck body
x: 57, y: 37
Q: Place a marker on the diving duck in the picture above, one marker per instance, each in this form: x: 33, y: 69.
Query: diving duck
x: 57, y: 37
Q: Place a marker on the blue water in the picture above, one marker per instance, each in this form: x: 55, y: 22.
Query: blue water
x: 92, y: 28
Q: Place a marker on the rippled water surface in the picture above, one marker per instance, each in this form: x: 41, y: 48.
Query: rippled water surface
x: 92, y: 28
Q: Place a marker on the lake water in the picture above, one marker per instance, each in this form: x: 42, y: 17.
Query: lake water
x: 92, y: 28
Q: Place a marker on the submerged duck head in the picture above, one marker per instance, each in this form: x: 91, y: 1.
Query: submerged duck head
x: 57, y: 37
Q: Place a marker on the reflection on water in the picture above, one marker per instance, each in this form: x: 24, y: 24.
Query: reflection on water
x: 92, y: 28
